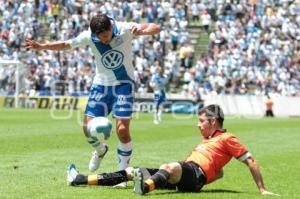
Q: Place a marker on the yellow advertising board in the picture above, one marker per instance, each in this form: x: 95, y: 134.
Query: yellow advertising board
x: 62, y: 102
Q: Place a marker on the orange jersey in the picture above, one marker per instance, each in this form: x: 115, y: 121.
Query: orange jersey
x: 214, y: 153
x: 269, y: 104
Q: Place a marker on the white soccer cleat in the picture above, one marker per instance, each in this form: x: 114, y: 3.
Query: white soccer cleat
x: 71, y: 174
x: 155, y: 122
x: 96, y: 159
x: 122, y: 185
x: 138, y: 180
x: 159, y: 119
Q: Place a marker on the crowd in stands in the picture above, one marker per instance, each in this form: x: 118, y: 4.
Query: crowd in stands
x: 252, y: 49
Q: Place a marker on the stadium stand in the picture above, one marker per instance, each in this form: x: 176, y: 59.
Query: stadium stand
x: 254, y: 50
x: 253, y: 47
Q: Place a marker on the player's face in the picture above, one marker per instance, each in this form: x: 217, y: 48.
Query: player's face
x: 105, y: 37
x: 205, y: 125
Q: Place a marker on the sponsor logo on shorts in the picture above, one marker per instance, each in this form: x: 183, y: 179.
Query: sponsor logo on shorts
x: 121, y: 100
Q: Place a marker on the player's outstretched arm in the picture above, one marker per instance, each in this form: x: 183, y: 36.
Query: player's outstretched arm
x: 255, y: 171
x: 57, y: 45
x: 145, y: 29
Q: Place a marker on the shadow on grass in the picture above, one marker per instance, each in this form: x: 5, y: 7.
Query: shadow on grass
x: 219, y: 191
x: 103, y: 187
x: 168, y: 191
x: 202, y: 191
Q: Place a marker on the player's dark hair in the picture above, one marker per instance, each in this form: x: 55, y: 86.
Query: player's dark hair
x: 100, y: 23
x: 213, y: 111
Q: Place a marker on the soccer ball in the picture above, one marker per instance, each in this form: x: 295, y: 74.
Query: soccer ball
x: 99, y: 128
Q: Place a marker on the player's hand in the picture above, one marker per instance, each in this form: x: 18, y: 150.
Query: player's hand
x: 135, y: 31
x: 31, y: 44
x: 269, y: 193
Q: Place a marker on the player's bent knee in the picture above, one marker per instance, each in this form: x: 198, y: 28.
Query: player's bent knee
x: 175, y: 172
x: 174, y: 167
x: 171, y: 167
x: 123, y: 134
x: 84, y: 126
x: 164, y: 167
x: 122, y: 129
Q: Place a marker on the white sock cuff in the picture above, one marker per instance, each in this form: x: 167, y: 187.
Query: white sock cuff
x: 93, y: 142
x: 89, y: 139
x: 98, y: 146
x: 125, y: 146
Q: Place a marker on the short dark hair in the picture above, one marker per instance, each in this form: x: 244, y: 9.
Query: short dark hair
x: 213, y: 111
x: 100, y: 23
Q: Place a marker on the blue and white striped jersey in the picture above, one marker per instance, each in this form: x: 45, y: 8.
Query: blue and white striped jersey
x: 114, y: 60
x: 159, y: 82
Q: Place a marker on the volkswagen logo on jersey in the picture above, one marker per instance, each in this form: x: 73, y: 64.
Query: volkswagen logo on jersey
x: 112, y: 59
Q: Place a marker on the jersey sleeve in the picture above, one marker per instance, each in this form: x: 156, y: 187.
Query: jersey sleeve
x: 236, y: 149
x: 123, y: 26
x: 81, y: 40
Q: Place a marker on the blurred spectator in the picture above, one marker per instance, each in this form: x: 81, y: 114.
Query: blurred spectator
x: 186, y: 53
x: 206, y: 20
x: 269, y: 107
x: 195, y: 11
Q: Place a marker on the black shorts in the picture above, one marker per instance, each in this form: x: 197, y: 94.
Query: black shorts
x: 192, y: 179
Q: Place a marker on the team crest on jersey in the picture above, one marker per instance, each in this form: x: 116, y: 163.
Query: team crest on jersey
x: 112, y: 59
x: 118, y: 41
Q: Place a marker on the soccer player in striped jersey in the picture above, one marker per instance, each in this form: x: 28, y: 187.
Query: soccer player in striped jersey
x: 158, y: 83
x: 113, y: 86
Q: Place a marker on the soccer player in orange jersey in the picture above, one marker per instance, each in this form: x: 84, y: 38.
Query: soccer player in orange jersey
x: 203, y: 165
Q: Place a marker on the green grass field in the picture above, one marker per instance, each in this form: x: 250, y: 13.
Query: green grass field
x: 35, y: 150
